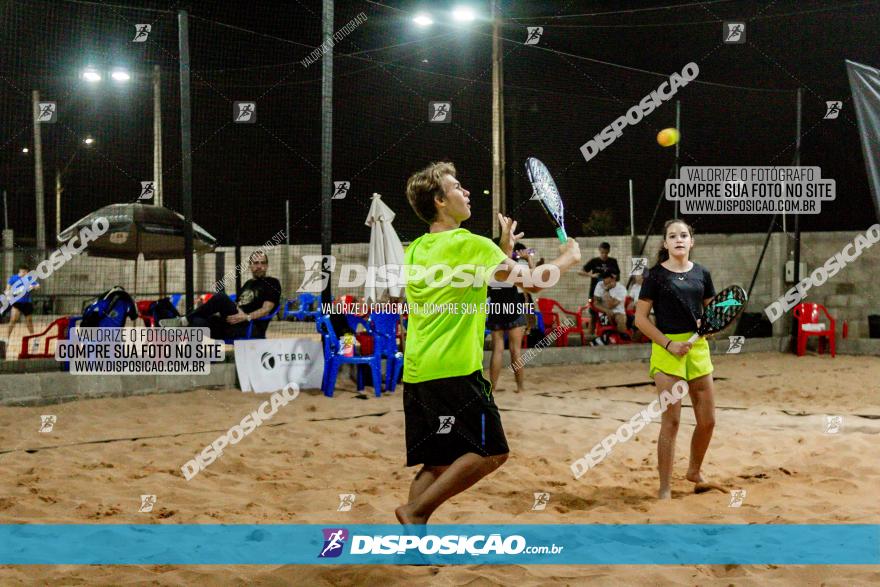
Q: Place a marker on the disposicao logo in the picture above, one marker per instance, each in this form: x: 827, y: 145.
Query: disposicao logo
x: 334, y: 541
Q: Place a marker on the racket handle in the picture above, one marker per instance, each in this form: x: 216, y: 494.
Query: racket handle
x: 560, y: 234
x: 693, y: 338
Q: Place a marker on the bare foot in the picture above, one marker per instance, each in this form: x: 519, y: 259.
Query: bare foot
x: 701, y: 485
x: 406, y: 516
x: 695, y: 476
x: 520, y: 390
x: 664, y: 493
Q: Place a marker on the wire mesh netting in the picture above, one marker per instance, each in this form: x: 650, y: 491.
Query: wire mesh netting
x: 559, y: 92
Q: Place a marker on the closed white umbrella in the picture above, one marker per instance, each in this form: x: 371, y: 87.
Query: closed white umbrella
x: 385, y: 250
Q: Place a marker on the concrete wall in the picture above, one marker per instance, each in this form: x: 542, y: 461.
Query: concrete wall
x: 46, y: 387
x: 40, y: 382
x: 851, y: 295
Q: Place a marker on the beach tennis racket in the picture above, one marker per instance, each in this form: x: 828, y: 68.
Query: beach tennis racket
x: 721, y: 311
x: 545, y: 191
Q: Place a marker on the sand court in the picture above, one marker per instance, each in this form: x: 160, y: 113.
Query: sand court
x: 771, y: 441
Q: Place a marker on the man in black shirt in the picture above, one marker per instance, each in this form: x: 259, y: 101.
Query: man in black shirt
x: 595, y: 269
x: 597, y: 266
x: 260, y: 295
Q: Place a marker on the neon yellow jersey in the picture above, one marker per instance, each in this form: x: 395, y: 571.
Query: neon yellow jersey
x: 447, y: 324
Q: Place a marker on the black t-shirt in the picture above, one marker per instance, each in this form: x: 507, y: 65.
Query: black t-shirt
x: 257, y: 290
x: 677, y: 297
x: 597, y: 265
x: 508, y: 296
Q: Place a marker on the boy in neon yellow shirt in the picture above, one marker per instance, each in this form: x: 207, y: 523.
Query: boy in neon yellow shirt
x: 453, y: 427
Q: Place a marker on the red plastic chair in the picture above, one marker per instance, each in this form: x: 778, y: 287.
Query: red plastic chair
x: 62, y: 324
x: 143, y: 309
x: 626, y: 304
x: 552, y: 320
x: 548, y: 316
x: 351, y: 305
x: 614, y: 335
x: 807, y: 313
x: 202, y: 299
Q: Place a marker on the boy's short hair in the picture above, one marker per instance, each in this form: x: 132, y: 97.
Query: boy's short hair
x: 605, y: 245
x: 608, y: 274
x: 23, y: 266
x: 253, y: 256
x: 423, y: 186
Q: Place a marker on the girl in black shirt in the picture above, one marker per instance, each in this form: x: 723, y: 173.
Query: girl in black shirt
x: 677, y: 289
x: 512, y: 322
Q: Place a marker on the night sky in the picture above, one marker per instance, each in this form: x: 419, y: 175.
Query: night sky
x: 558, y: 95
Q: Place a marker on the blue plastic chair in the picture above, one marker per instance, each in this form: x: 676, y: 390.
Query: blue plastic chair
x: 303, y: 308
x: 385, y: 341
x: 333, y: 360
x: 355, y: 321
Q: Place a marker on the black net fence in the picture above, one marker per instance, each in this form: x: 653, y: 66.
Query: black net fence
x: 256, y: 131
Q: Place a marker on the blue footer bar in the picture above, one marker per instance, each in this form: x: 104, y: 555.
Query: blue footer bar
x: 270, y: 544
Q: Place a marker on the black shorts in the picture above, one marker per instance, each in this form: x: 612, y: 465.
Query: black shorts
x: 505, y: 322
x: 447, y: 418
x: 26, y: 308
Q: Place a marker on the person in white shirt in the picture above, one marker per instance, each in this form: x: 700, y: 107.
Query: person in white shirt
x: 610, y: 298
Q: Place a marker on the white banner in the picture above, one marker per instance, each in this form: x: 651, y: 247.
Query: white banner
x: 864, y: 82
x: 268, y: 365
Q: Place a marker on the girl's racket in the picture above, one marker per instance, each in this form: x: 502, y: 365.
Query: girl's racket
x: 547, y: 194
x: 721, y: 311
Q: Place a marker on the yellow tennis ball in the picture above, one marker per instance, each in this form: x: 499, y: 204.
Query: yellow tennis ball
x: 668, y: 137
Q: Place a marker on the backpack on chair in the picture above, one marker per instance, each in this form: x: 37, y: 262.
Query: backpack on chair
x: 110, y: 309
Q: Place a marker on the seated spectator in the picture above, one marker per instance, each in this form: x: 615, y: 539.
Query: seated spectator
x: 259, y: 296
x: 595, y: 268
x: 610, y: 298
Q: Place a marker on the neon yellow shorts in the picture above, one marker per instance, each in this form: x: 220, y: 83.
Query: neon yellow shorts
x: 689, y: 367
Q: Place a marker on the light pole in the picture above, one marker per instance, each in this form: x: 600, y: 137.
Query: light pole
x: 120, y: 75
x: 59, y: 174
x: 464, y: 15
x: 38, y: 174
x: 499, y: 194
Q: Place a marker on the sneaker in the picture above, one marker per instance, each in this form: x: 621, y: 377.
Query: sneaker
x: 180, y: 322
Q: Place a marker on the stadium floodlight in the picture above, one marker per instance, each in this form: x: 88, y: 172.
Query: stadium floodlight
x: 463, y: 14
x: 423, y: 20
x: 90, y: 74
x: 120, y: 75
x: 25, y: 150
x: 88, y: 140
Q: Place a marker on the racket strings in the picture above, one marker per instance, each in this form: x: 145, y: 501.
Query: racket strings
x: 545, y: 189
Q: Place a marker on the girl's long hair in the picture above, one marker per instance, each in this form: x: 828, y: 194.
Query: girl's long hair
x: 662, y: 252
